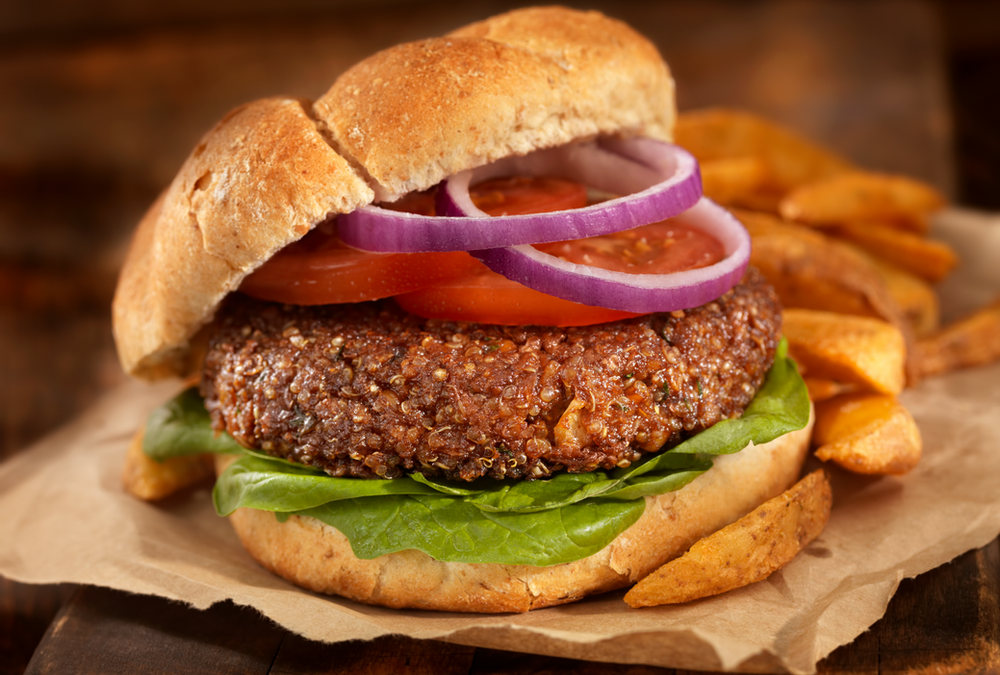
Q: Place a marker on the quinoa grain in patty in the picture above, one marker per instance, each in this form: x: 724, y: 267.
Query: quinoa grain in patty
x: 368, y: 390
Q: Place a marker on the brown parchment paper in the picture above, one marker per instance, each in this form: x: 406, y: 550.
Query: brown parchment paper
x: 65, y: 518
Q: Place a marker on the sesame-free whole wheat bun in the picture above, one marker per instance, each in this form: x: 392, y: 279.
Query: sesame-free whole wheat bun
x: 398, y: 122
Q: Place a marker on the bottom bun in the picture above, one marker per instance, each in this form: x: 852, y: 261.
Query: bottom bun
x: 318, y: 557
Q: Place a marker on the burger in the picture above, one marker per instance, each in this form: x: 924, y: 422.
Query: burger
x: 463, y: 333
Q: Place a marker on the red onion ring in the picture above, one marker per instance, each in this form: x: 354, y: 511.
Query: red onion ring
x: 641, y: 293
x: 660, y: 180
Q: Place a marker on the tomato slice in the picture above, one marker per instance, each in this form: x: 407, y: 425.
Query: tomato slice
x: 658, y: 248
x: 516, y: 195
x: 319, y: 269
x: 487, y: 297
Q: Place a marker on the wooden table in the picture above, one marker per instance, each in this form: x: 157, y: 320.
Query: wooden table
x: 101, y: 107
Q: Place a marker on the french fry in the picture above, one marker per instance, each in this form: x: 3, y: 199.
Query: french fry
x: 765, y: 200
x: 791, y: 160
x: 929, y: 259
x: 821, y: 390
x: 857, y: 350
x: 733, y: 180
x: 971, y: 341
x: 749, y: 550
x: 151, y: 480
x: 867, y: 433
x: 914, y: 296
x: 862, y: 196
x: 813, y: 271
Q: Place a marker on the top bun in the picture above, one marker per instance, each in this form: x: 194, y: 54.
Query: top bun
x: 399, y: 121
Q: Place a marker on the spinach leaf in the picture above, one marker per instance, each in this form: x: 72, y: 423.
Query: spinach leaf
x: 450, y: 529
x: 182, y: 427
x: 274, y: 485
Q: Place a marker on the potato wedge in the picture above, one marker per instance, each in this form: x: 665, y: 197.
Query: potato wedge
x: 970, y: 341
x: 857, y: 350
x: 733, y: 180
x: 821, y: 390
x: 765, y: 200
x: 927, y: 258
x: 862, y: 196
x: 813, y: 271
x: 867, y: 433
x: 914, y: 296
x: 148, y: 479
x: 792, y: 160
x: 749, y: 550
x: 810, y: 270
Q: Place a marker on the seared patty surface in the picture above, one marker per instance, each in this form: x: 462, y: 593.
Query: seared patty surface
x: 368, y: 390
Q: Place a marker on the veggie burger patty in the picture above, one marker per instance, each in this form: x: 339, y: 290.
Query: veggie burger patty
x: 367, y: 390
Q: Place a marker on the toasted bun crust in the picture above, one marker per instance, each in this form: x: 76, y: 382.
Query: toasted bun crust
x: 215, y: 224
x: 318, y: 557
x: 399, y: 121
x: 535, y: 78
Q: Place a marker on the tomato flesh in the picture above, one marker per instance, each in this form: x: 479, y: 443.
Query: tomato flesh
x: 488, y: 297
x: 517, y: 195
x: 658, y: 248
x: 319, y: 269
x: 420, y: 203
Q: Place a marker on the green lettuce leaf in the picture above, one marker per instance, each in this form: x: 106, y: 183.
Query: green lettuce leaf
x: 182, y: 427
x: 451, y: 529
x: 274, y: 485
x: 545, y: 522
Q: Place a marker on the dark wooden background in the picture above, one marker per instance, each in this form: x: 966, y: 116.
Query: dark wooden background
x: 101, y: 101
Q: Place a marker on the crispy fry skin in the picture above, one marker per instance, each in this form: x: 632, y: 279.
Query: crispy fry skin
x: 752, y: 164
x: 871, y: 261
x: 734, y: 181
x: 971, y: 341
x: 862, y: 196
x: 717, y: 133
x: 867, y: 433
x: 810, y: 270
x: 927, y: 258
x: 151, y: 480
x: 746, y: 551
x: 821, y: 389
x: 813, y: 271
x: 914, y: 296
x: 850, y: 349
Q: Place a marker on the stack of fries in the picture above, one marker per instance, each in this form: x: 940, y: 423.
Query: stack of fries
x: 848, y: 253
